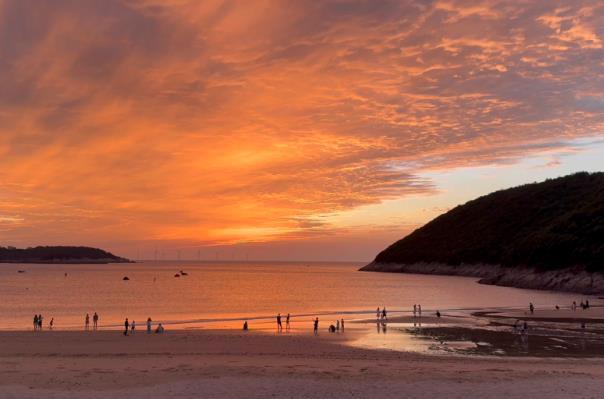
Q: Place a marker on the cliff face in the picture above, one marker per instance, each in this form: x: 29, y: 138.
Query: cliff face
x: 570, y: 279
x: 547, y: 235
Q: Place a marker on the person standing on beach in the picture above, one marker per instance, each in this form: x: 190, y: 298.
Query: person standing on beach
x: 132, y: 327
x: 35, y: 322
x: 532, y: 308
x: 149, y: 325
x: 287, y: 322
x: 377, y: 313
x: 384, y: 313
x: 279, y: 325
x: 40, y: 322
x: 414, y: 310
x: 342, y: 325
x: 316, y: 326
x: 52, y: 322
x: 338, y: 325
x: 95, y: 321
x: 87, y: 322
x: 126, y: 325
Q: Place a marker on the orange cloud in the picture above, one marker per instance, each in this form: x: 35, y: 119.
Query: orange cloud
x: 243, y: 121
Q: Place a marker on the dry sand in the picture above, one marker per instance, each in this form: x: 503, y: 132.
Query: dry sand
x: 233, y: 364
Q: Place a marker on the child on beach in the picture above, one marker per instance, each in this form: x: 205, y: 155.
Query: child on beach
x: 132, y: 327
x: 149, y: 325
x: 159, y: 329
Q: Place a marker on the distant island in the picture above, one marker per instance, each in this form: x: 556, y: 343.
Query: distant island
x: 58, y: 254
x: 547, y: 235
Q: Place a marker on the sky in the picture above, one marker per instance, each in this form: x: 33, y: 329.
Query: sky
x: 283, y: 130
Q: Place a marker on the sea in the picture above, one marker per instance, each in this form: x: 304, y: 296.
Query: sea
x: 223, y: 294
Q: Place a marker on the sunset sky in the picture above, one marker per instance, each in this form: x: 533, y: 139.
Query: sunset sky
x: 310, y: 130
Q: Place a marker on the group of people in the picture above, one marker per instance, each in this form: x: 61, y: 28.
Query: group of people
x: 381, y: 315
x: 130, y: 327
x: 583, y: 305
x: 95, y: 321
x: 336, y: 328
x: 38, y: 322
x: 280, y: 324
x: 417, y: 310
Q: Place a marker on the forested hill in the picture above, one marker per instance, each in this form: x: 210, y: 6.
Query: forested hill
x: 552, y: 225
x: 58, y: 254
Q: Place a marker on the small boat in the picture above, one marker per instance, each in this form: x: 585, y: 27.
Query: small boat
x: 126, y: 278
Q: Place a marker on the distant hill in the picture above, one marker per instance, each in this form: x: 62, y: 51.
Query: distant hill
x: 536, y: 229
x: 58, y: 254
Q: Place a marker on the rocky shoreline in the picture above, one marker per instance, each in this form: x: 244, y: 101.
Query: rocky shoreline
x: 569, y: 279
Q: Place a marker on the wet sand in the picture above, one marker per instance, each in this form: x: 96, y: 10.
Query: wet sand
x: 233, y: 364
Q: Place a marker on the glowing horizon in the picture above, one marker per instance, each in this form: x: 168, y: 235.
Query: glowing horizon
x: 284, y: 130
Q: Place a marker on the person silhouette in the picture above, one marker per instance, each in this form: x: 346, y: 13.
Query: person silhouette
x: 279, y: 325
x: 87, y: 322
x: 316, y: 326
x: 149, y: 325
x: 126, y: 325
x: 95, y: 321
x: 287, y: 322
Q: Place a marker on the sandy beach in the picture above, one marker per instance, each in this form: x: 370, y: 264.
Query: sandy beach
x: 234, y: 364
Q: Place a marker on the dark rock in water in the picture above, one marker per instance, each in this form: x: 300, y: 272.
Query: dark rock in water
x: 126, y: 278
x: 20, y: 271
x: 177, y: 275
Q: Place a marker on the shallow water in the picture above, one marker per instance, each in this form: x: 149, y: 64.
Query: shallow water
x: 214, y: 293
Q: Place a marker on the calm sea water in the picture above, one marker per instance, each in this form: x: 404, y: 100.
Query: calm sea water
x: 213, y: 292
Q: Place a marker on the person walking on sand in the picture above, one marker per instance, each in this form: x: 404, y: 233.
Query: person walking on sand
x: 279, y: 325
x: 126, y: 325
x: 419, y: 310
x: 35, y: 322
x: 531, y: 308
x: 384, y: 313
x: 95, y: 321
x: 245, y: 328
x: 87, y: 322
x: 40, y: 322
x: 149, y: 325
x: 316, y: 326
x: 52, y: 322
x: 132, y: 327
x: 377, y: 313
x: 414, y: 310
x: 342, y: 324
x: 338, y: 325
x: 287, y: 322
